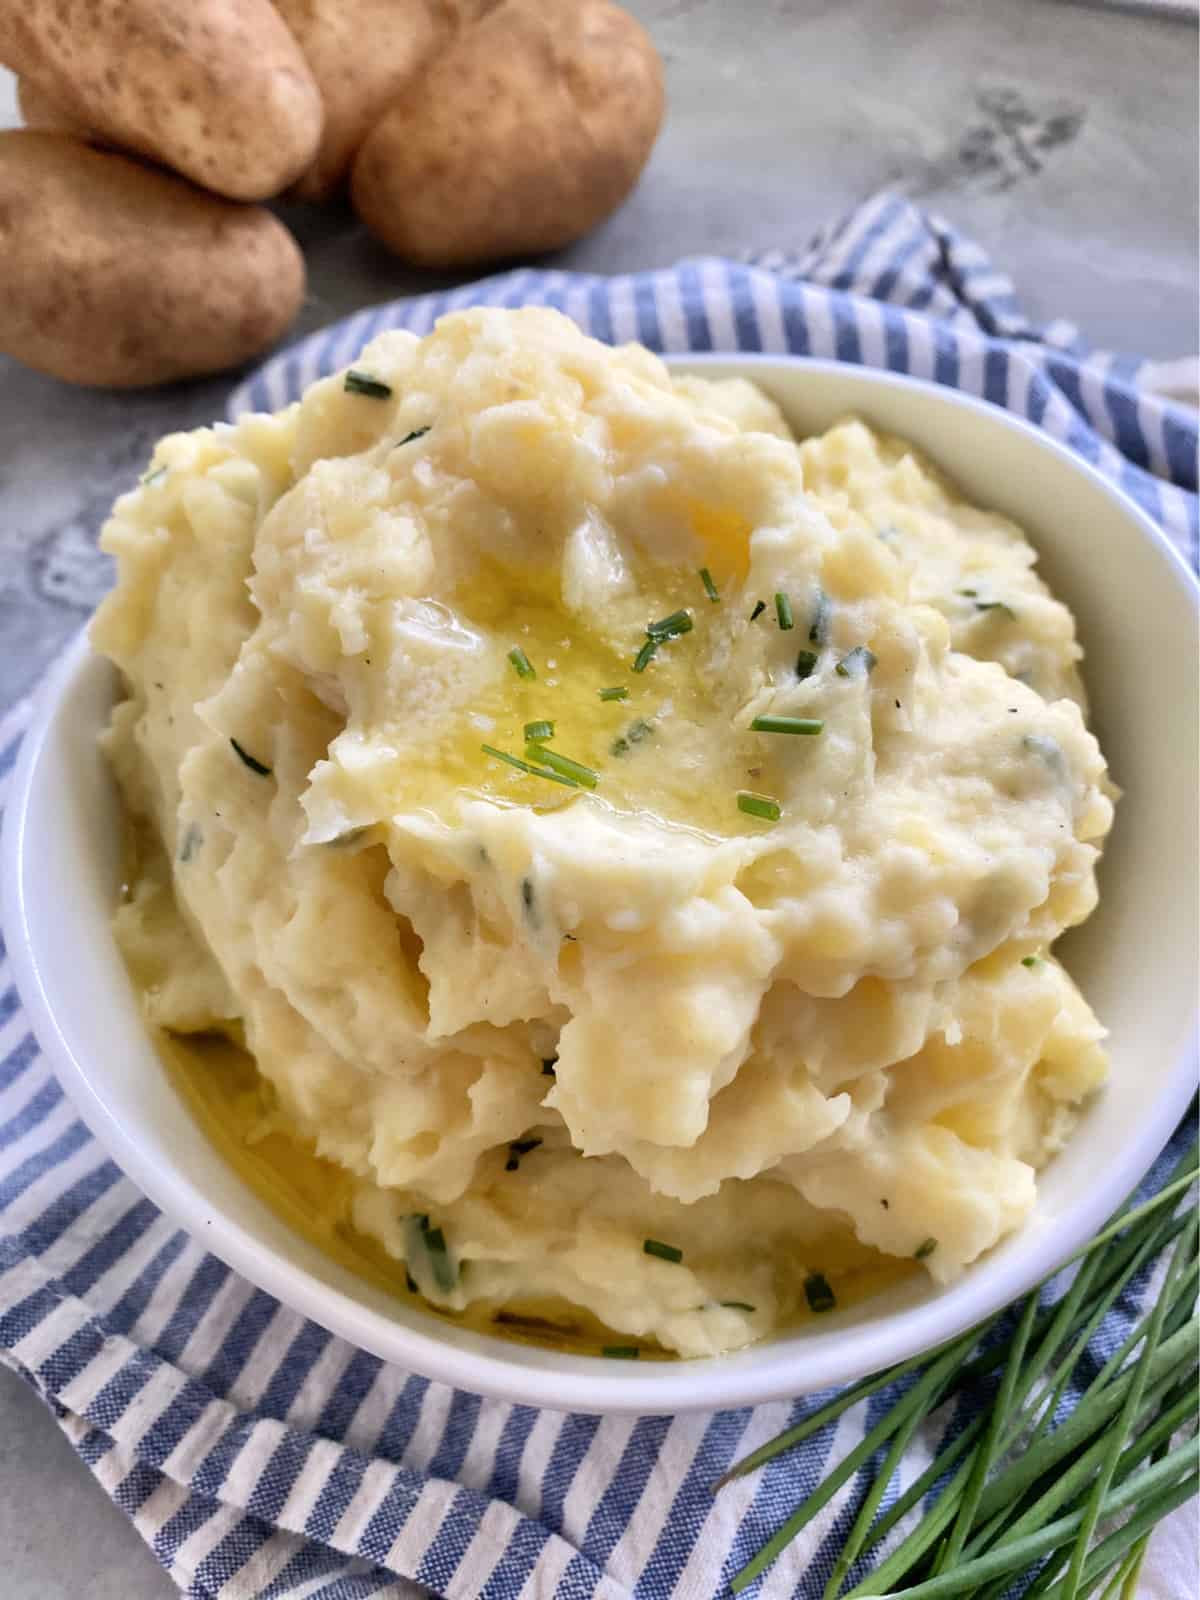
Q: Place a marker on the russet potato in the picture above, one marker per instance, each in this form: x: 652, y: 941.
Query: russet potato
x: 118, y: 275
x: 217, y: 89
x: 527, y: 130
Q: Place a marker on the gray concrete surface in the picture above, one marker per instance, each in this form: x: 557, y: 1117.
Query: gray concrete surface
x: 1062, y: 135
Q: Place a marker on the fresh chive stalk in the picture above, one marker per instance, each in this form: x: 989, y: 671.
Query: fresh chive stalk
x: 783, y: 611
x: 618, y: 692
x: 1003, y: 1510
x: 759, y: 805
x: 818, y: 627
x: 646, y: 654
x: 759, y: 608
x: 521, y: 663
x: 858, y: 663
x: 417, y: 433
x: 250, y: 761
x: 817, y: 1292
x: 362, y: 383
x: 670, y: 627
x: 526, y: 766
x: 710, y: 588
x: 664, y: 1252
x: 574, y: 771
x: 806, y: 664
x: 786, y: 725
x: 621, y: 1352
x: 537, y: 731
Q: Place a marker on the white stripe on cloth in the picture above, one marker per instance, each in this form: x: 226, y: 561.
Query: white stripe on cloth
x: 260, y: 1455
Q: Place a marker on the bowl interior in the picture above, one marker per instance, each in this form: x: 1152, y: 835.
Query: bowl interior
x: 1135, y: 959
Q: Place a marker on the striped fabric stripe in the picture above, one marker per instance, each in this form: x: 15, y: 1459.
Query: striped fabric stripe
x: 261, y: 1456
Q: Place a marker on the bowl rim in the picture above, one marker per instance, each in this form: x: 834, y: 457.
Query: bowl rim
x: 762, y: 1372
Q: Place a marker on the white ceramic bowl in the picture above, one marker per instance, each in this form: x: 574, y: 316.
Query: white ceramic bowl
x: 1135, y: 959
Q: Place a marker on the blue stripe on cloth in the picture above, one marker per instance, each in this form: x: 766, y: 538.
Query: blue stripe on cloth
x: 508, y: 1576
x: 570, y: 1447
x: 863, y: 291
x: 302, y: 1355
x: 9, y: 1002
x: 280, y: 1475
x: 624, y: 1489
x: 32, y: 1114
x: 338, y: 1491
x: 745, y: 317
x: 136, y: 1297
x: 506, y: 1466
x: 352, y: 1389
x: 16, y: 1063
x: 193, y: 1302
x: 111, y: 1402
x: 108, y: 1251
x: 389, y: 1517
x: 231, y: 1555
x: 64, y: 1210
x: 693, y: 1501
x: 443, y: 1557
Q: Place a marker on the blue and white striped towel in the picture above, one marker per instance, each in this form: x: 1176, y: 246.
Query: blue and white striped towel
x: 259, y: 1455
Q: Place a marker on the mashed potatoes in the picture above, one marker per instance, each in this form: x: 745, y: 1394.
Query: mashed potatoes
x: 442, y: 691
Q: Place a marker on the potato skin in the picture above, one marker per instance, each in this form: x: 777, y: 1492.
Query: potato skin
x: 117, y: 275
x: 39, y: 111
x: 524, y: 133
x: 216, y: 89
x: 362, y: 54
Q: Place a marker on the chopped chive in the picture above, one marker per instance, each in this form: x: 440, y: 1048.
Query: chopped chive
x: 806, y: 663
x: 645, y: 655
x: 758, y: 611
x: 417, y: 433
x: 433, y: 1242
x: 664, y: 1252
x: 634, y: 734
x: 574, y: 771
x: 362, y: 383
x: 539, y: 730
x: 670, y: 627
x: 148, y: 478
x: 621, y: 1352
x: 786, y: 725
x: 619, y: 692
x: 249, y: 761
x: 1031, y: 961
x: 737, y: 1305
x: 857, y: 664
x: 518, y: 1148
x: 1046, y: 749
x: 192, y: 840
x: 548, y: 1065
x: 525, y: 766
x: 817, y: 1292
x: 521, y: 663
x: 818, y: 627
x: 759, y: 805
x: 925, y: 1249
x: 783, y: 611
x: 710, y: 588
x: 990, y: 605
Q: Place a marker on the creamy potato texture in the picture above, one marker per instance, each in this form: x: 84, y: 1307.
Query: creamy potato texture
x: 544, y: 1016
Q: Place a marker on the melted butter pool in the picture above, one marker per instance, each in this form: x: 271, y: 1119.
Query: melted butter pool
x: 669, y: 749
